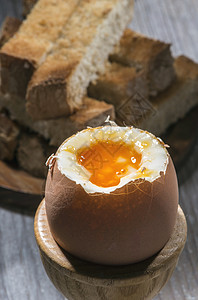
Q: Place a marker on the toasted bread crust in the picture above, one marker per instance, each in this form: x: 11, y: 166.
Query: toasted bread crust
x: 118, y: 84
x: 173, y: 104
x: 32, y: 152
x: 92, y: 113
x: 8, y: 29
x: 9, y: 132
x: 27, y: 6
x: 31, y: 44
x: 150, y: 55
x: 80, y: 47
x: 10, y: 70
x: 47, y: 91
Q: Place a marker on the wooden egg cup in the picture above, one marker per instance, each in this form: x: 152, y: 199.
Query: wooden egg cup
x: 78, y: 279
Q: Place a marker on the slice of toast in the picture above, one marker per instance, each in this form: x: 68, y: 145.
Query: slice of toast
x: 144, y: 53
x: 93, y: 113
x: 9, y: 132
x: 27, y: 6
x: 32, y: 153
x: 81, y: 52
x: 174, y: 103
x: 8, y: 29
x: 118, y: 84
x: 28, y: 48
x: 154, y: 114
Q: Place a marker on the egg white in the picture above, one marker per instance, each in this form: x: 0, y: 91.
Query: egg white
x: 154, y: 156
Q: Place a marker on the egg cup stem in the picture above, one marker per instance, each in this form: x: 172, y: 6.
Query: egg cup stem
x: 77, y: 279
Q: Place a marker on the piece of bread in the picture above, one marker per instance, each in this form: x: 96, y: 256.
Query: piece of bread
x: 27, y: 6
x: 154, y: 114
x: 144, y: 53
x: 81, y: 52
x: 8, y: 29
x: 32, y: 153
x: 118, y: 84
x: 28, y: 48
x: 174, y: 103
x: 93, y: 113
x: 9, y: 132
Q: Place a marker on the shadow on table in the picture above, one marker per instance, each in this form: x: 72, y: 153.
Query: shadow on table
x: 19, y: 202
x: 190, y: 164
x: 182, y: 138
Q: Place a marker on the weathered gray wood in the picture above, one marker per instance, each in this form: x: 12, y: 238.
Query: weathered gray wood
x: 22, y: 275
x: 171, y: 21
x: 12, y: 8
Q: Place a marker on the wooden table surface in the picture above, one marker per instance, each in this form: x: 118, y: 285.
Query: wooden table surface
x: 21, y: 272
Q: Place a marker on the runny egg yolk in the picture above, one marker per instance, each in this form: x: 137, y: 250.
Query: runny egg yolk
x: 108, y: 161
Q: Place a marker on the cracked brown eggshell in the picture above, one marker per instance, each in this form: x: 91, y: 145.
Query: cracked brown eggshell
x: 126, y: 226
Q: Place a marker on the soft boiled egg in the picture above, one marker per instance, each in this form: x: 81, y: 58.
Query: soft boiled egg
x: 111, y: 195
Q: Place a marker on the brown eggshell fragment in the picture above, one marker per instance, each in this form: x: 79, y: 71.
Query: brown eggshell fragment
x: 126, y: 226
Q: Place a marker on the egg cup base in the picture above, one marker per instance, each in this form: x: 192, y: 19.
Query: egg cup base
x: 78, y: 279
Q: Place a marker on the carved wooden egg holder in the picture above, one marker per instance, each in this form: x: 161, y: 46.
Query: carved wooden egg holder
x: 77, y: 279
